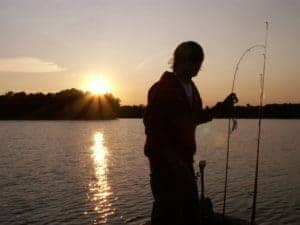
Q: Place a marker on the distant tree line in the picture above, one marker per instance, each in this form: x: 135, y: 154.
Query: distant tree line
x: 271, y: 111
x: 73, y: 104
x: 276, y: 111
x: 131, y: 111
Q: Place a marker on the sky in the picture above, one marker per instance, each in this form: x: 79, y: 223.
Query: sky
x: 51, y: 45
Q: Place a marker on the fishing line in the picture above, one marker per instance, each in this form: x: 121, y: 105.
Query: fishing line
x: 231, y: 119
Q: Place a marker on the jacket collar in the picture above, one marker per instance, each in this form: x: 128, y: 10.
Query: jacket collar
x: 169, y: 78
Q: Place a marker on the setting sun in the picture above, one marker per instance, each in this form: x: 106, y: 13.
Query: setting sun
x: 98, y: 86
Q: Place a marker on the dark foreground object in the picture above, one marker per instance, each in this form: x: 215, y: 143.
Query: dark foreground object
x: 206, y: 212
x: 209, y: 217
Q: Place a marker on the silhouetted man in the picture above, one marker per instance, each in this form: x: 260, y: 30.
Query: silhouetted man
x: 173, y: 111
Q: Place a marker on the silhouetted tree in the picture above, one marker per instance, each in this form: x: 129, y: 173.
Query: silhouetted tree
x: 67, y: 104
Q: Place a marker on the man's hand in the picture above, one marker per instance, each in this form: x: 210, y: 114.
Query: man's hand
x: 225, y: 107
x: 230, y: 100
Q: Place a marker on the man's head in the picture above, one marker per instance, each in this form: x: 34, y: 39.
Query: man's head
x: 188, y: 58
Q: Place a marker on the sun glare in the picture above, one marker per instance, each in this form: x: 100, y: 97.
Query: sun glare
x: 98, y: 86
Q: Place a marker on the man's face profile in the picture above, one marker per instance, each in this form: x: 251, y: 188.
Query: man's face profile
x: 189, y: 69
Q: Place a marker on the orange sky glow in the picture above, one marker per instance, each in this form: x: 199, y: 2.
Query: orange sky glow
x: 123, y: 47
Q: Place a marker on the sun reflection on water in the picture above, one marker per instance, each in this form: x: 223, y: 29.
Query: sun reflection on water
x: 100, y: 188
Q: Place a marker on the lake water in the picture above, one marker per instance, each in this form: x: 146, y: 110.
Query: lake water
x: 81, y: 172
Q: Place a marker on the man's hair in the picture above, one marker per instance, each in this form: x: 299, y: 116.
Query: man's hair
x: 189, y: 51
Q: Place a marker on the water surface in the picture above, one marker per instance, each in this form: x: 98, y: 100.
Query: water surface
x: 94, y: 172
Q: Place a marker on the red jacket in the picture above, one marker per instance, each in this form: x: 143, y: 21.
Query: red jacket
x: 170, y: 120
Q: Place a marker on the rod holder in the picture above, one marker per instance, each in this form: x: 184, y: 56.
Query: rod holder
x: 202, y: 164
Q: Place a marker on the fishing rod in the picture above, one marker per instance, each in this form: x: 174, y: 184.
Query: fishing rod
x: 230, y: 129
x: 262, y: 83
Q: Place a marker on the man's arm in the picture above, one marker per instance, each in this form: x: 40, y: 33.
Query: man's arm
x: 219, y: 110
x: 203, y: 115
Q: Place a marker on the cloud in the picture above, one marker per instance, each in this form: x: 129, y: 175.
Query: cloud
x: 28, y: 65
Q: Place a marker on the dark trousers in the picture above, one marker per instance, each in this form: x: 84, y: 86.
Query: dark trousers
x: 175, y: 195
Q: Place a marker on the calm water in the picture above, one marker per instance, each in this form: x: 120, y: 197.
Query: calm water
x: 95, y: 172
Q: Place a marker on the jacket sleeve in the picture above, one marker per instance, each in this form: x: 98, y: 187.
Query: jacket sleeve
x: 156, y: 119
x: 201, y: 115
